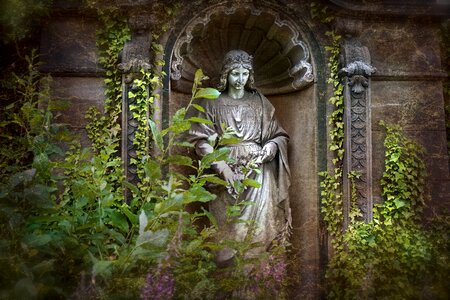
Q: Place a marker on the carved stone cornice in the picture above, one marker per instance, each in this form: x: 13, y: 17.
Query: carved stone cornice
x: 393, y: 8
x: 359, y: 68
x: 133, y: 65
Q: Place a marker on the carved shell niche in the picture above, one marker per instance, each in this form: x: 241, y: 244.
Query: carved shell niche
x: 280, y: 57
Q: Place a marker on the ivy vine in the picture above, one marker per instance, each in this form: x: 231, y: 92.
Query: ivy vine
x: 104, y: 129
x: 331, y: 184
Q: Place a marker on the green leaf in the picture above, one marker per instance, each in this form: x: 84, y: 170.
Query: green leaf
x: 33, y: 240
x: 132, y: 217
x: 131, y: 187
x: 102, y: 268
x: 180, y: 160
x: 198, y: 107
x: 206, y: 93
x: 200, y: 120
x: 184, y: 144
x: 117, y: 219
x: 197, y: 194
x: 229, y: 140
x: 399, y: 203
x: 193, y: 246
x: 395, y: 157
x: 156, y: 134
x: 103, y: 185
x: 143, y: 221
x: 179, y: 115
x: 217, y: 155
x: 199, y: 77
x: 251, y: 182
x: 152, y: 169
x: 180, y: 127
x: 81, y: 202
x: 210, y: 217
x: 214, y: 179
x: 157, y: 238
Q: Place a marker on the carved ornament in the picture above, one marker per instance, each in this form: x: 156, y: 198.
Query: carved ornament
x: 282, y: 58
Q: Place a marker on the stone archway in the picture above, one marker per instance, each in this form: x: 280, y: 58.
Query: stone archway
x: 281, y: 57
x: 285, y: 71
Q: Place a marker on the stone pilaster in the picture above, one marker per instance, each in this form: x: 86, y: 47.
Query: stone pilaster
x: 135, y: 56
x: 355, y: 75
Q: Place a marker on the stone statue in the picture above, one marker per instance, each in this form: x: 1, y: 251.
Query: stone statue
x: 250, y: 115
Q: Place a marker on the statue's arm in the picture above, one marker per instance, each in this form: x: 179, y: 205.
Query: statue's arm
x: 199, y: 134
x: 269, y: 151
x: 202, y: 147
x: 277, y: 139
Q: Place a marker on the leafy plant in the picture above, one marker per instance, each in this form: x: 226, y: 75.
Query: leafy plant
x: 28, y: 182
x: 392, y: 257
x: 331, y: 193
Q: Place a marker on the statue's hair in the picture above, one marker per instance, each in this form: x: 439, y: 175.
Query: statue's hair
x: 235, y: 59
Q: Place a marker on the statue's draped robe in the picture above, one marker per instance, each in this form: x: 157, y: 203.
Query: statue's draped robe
x: 252, y: 118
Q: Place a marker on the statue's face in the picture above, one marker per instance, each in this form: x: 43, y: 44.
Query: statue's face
x: 238, y: 77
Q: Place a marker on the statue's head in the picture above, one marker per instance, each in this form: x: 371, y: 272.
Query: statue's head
x: 235, y: 59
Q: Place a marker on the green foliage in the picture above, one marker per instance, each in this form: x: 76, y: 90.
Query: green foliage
x: 336, y: 119
x: 61, y: 211
x: 331, y: 184
x: 142, y: 92
x: 403, y: 178
x: 29, y: 158
x: 103, y: 128
x: 331, y: 202
x: 321, y: 12
x: 27, y: 130
x: 393, y: 256
x: 382, y: 262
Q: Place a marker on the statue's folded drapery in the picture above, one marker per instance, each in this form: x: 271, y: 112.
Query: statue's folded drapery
x: 252, y: 119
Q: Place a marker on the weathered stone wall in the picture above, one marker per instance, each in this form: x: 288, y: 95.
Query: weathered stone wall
x: 297, y: 113
x: 69, y: 54
x: 407, y: 90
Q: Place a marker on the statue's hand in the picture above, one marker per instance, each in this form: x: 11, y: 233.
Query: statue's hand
x: 224, y: 170
x: 228, y: 175
x: 269, y: 151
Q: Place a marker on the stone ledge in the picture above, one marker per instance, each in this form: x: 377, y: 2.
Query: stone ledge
x: 410, y: 76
